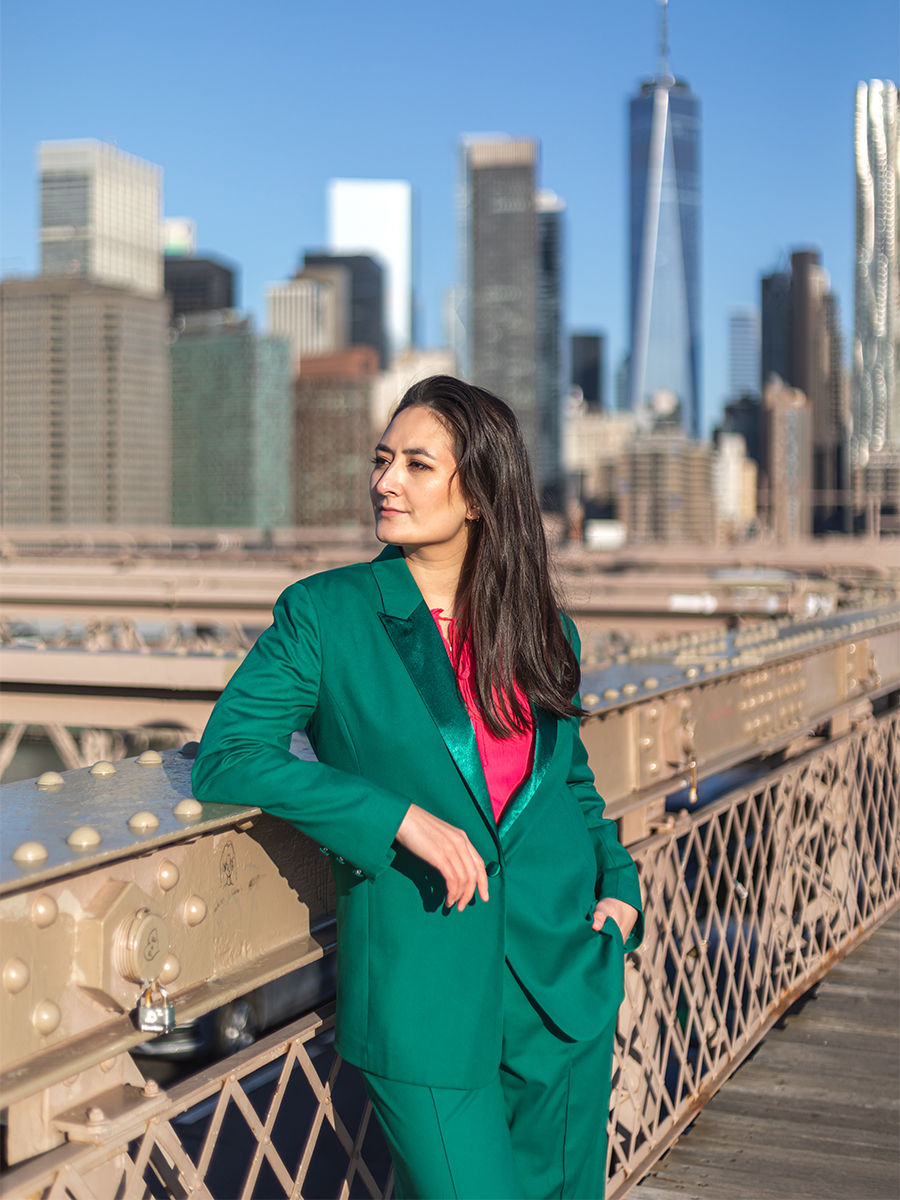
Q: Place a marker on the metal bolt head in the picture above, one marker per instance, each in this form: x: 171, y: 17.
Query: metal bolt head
x: 16, y: 975
x: 44, y: 911
x: 194, y: 910
x: 589, y: 699
x: 150, y: 758
x: 83, y: 838
x: 143, y: 821
x: 46, y: 1017
x: 103, y: 770
x: 28, y: 853
x: 188, y: 809
x: 95, y: 1115
x: 50, y: 779
x: 150, y: 1088
x: 167, y: 875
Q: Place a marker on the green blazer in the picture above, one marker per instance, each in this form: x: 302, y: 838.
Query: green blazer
x: 355, y: 658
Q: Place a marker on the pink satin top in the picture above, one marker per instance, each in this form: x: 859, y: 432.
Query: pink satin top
x: 506, y: 762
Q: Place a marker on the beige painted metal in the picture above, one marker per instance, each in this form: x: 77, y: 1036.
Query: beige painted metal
x: 749, y: 901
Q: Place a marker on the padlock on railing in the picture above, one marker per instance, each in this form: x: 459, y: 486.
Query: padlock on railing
x: 155, y: 1018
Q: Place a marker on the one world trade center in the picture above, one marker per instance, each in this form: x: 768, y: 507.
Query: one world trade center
x: 665, y: 243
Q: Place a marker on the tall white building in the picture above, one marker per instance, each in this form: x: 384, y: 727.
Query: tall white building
x: 374, y: 216
x: 101, y: 215
x: 302, y: 310
x: 875, y: 403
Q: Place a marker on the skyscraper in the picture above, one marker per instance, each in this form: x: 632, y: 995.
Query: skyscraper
x: 198, y: 284
x: 366, y: 305
x: 85, y: 415
x: 587, y: 360
x: 101, y: 215
x: 876, y: 332
x: 232, y: 417
x: 375, y: 217
x: 665, y: 241
x: 743, y: 353
x: 301, y: 311
x: 802, y: 344
x: 500, y: 274
x: 549, y: 211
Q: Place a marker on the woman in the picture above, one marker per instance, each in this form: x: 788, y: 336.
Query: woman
x: 482, y: 899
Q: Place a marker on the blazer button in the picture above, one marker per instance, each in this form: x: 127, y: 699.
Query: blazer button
x: 324, y: 850
x: 493, y: 868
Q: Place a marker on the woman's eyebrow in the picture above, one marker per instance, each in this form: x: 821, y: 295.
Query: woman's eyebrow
x: 413, y: 450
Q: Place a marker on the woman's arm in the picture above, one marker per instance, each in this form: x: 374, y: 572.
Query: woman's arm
x: 245, y: 758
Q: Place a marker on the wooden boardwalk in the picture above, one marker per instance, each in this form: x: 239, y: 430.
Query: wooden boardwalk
x: 815, y: 1113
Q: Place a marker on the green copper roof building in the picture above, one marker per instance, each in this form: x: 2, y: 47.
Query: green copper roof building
x: 232, y: 424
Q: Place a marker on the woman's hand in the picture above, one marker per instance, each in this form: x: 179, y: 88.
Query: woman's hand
x: 623, y: 914
x: 447, y: 849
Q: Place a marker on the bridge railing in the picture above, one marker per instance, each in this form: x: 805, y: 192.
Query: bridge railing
x: 750, y: 898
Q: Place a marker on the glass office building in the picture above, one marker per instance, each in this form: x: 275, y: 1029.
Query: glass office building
x: 665, y: 128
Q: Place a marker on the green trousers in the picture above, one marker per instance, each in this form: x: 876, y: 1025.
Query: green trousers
x: 537, y: 1130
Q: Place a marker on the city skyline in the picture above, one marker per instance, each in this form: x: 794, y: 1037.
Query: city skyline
x: 778, y: 165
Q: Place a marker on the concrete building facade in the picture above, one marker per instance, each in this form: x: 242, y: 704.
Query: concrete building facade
x: 232, y: 425
x: 302, y: 310
x: 85, y: 404
x: 332, y: 438
x: 666, y: 489
x: 101, y: 215
x: 787, y: 492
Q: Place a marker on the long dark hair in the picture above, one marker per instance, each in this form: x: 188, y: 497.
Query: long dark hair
x: 505, y: 601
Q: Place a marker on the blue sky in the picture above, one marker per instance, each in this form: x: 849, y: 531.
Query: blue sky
x: 250, y: 109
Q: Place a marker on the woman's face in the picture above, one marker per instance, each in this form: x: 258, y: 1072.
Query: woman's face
x: 414, y: 487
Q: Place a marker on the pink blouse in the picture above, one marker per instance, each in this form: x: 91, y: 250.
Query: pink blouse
x: 506, y: 762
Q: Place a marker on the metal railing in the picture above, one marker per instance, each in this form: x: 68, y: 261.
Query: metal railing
x: 749, y: 900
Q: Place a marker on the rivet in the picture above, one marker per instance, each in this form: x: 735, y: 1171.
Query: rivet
x: 589, y: 699
x: 143, y: 820
x: 150, y: 759
x: 629, y: 689
x: 44, y: 911
x: 709, y: 667
x: 194, y: 910
x: 83, y: 837
x: 50, y: 779
x: 29, y: 852
x: 107, y: 1065
x: 645, y: 741
x: 46, y: 1017
x: 692, y: 672
x: 167, y: 875
x: 15, y: 975
x: 651, y: 682
x: 95, y: 1115
x: 653, y: 768
x: 652, y: 713
x: 150, y: 1088
x: 170, y: 969
x: 188, y: 809
x: 611, y: 694
x: 103, y: 770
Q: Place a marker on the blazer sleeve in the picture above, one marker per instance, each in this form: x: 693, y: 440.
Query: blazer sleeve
x: 245, y: 758
x: 617, y: 875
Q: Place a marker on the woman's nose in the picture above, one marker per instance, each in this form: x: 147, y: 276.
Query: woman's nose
x: 386, y: 483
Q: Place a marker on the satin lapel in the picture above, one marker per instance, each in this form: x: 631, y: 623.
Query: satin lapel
x: 545, y: 728
x: 417, y: 641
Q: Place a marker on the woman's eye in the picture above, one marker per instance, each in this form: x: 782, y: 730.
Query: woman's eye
x: 379, y: 461
x: 418, y: 466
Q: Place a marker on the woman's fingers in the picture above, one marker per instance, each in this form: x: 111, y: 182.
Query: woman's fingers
x: 449, y: 850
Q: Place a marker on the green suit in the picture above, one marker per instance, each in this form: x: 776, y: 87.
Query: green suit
x: 355, y: 658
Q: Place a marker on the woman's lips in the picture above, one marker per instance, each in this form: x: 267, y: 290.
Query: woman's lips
x: 390, y: 512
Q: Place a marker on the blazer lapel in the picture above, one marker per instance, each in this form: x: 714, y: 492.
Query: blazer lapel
x: 545, y: 728
x: 415, y: 637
